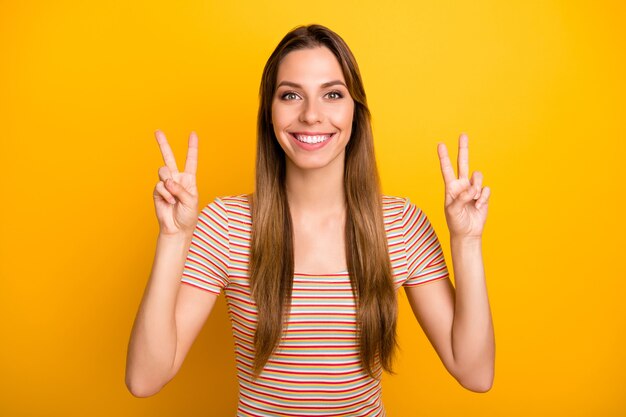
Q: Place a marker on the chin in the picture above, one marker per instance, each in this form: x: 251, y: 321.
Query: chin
x: 314, y: 162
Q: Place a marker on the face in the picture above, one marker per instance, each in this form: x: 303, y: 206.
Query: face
x: 312, y: 109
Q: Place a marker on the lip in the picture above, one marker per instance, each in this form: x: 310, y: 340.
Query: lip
x: 312, y: 133
x: 312, y: 146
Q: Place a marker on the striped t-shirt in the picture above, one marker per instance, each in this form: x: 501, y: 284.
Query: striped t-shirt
x: 316, y: 368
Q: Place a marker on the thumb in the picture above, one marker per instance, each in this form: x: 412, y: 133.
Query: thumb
x: 179, y: 192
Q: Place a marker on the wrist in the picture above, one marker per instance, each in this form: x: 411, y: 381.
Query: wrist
x: 466, y: 241
x: 179, y: 237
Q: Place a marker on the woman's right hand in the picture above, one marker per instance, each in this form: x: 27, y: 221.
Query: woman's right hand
x: 176, y: 194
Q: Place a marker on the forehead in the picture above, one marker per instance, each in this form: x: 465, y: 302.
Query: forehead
x: 310, y: 66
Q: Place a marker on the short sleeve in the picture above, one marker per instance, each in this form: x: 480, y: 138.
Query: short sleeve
x: 207, y: 262
x: 425, y: 260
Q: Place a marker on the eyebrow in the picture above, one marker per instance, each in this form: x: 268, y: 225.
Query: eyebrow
x: 326, y: 84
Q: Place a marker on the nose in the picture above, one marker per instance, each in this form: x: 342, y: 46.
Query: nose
x: 311, y: 112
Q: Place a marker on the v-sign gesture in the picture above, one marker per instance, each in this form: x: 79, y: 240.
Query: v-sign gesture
x: 176, y: 195
x: 466, y: 199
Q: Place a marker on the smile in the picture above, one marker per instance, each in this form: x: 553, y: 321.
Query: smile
x: 312, y: 139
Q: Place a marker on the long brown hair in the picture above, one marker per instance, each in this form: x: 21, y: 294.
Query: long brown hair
x: 272, y: 252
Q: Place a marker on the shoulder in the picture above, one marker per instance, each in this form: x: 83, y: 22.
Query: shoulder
x: 235, y: 202
x: 390, y: 202
x: 394, y: 209
x: 228, y: 207
x: 395, y: 206
x: 401, y: 212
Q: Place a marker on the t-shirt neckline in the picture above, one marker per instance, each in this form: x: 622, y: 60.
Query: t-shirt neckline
x: 307, y: 274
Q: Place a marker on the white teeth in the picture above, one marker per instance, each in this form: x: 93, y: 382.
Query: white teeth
x: 312, y: 139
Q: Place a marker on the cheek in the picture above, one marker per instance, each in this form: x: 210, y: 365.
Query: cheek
x: 280, y: 116
x: 343, y: 117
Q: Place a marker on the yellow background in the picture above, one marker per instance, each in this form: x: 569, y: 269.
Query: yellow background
x: 539, y: 87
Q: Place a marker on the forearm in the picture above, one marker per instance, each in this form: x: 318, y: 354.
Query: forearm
x: 152, y: 345
x: 473, y: 344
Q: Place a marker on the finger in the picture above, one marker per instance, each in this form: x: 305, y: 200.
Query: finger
x: 192, y: 154
x: 462, y: 199
x: 463, y: 159
x: 164, y: 173
x: 166, y: 151
x: 477, y: 183
x: 446, y: 167
x: 179, y: 192
x: 166, y: 195
x: 467, y: 195
x: 484, y: 197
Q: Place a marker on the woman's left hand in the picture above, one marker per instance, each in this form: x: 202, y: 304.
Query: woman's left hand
x: 466, y: 199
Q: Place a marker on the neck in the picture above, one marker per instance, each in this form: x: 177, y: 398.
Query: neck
x: 317, y: 191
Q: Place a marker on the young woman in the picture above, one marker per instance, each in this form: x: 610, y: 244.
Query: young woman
x: 312, y: 261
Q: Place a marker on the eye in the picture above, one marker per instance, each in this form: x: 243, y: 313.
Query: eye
x: 334, y: 95
x: 289, y: 95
